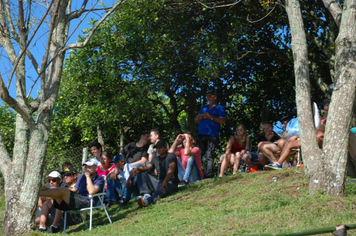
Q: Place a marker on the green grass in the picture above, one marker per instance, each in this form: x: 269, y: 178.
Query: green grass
x: 232, y: 205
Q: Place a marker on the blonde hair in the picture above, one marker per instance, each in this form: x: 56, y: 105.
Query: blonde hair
x: 241, y: 140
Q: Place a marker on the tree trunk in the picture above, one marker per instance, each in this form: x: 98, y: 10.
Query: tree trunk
x: 100, y: 137
x: 23, y: 177
x: 326, y: 168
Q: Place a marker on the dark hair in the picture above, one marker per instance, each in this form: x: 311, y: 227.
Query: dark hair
x: 108, y: 154
x: 156, y: 131
x: 96, y: 144
x: 267, y: 123
x: 66, y: 164
x: 190, y: 133
x: 286, y: 118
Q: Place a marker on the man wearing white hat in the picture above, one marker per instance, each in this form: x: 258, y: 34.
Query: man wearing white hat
x: 88, y: 184
x: 45, y: 205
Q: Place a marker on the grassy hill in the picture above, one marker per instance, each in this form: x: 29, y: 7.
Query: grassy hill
x: 242, y: 204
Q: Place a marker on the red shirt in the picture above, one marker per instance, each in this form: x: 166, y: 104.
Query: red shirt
x: 197, y: 157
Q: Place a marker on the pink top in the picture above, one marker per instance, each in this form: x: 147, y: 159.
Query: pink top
x: 101, y: 172
x: 197, y: 157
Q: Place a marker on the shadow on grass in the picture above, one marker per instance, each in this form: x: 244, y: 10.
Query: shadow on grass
x: 116, y: 213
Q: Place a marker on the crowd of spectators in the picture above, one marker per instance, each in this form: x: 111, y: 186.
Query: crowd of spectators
x: 151, y: 169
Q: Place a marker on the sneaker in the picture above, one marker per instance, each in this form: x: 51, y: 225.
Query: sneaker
x: 273, y: 166
x: 54, y: 230
x: 42, y: 229
x: 142, y: 202
x: 182, y: 183
x: 146, y: 196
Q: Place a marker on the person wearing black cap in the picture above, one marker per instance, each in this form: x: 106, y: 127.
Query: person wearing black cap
x: 209, y: 120
x: 166, y: 165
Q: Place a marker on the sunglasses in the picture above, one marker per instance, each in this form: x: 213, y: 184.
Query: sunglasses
x: 68, y: 174
x: 53, y: 180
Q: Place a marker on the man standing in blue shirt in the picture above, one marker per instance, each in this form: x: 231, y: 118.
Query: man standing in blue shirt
x: 209, y: 120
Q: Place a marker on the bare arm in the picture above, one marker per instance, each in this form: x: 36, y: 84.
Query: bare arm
x: 92, y: 189
x: 188, y: 148
x: 134, y: 171
x: 142, y: 161
x: 170, y: 173
x: 198, y: 118
x: 229, y: 145
x: 173, y: 148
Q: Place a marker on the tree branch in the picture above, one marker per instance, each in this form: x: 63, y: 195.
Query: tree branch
x: 4, y: 95
x: 335, y: 10
x: 78, y: 45
x: 25, y: 49
x: 82, y: 44
x: 219, y: 6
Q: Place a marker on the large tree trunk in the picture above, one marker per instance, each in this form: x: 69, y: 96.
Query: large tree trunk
x: 326, y: 168
x: 22, y: 178
x: 23, y: 171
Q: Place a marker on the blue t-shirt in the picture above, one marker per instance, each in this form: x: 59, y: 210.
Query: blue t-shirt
x: 210, y: 127
x: 81, y: 185
x: 292, y: 128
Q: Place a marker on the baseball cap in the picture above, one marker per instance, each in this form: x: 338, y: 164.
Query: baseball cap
x: 54, y: 174
x: 161, y: 143
x: 91, y: 162
x: 118, y: 157
x: 71, y: 170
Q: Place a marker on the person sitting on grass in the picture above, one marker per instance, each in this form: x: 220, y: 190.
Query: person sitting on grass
x: 116, y: 183
x: 77, y: 198
x: 166, y: 165
x: 189, y: 159
x: 236, y: 148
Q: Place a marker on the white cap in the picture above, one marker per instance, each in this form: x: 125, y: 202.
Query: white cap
x: 91, y: 162
x: 55, y: 174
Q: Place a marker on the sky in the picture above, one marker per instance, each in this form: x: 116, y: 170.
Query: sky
x: 39, y: 43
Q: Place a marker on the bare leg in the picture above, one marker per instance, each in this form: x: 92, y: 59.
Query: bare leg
x: 267, y: 149
x: 224, y: 163
x: 247, y: 158
x: 236, y: 162
x: 293, y: 142
x: 57, y: 217
x: 262, y: 159
x: 44, y: 213
x: 59, y: 194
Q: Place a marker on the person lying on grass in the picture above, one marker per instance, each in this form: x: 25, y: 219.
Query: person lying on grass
x: 166, y: 166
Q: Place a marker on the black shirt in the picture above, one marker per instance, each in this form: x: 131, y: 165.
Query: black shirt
x: 162, y: 166
x: 134, y: 153
x: 273, y: 139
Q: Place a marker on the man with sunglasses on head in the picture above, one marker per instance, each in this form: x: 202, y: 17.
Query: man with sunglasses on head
x: 77, y: 198
x: 45, y: 205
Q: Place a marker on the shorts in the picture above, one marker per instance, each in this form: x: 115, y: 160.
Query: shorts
x: 76, y: 201
x: 253, y: 156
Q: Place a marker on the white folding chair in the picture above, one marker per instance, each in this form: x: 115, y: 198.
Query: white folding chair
x: 99, y: 204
